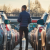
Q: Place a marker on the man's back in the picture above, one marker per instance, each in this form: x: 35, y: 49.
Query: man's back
x: 24, y: 19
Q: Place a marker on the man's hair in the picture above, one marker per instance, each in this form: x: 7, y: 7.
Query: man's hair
x: 24, y: 6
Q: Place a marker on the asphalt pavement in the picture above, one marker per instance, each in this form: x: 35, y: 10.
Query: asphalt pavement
x: 23, y: 46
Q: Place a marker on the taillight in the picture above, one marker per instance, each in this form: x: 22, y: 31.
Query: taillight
x: 7, y: 28
x: 40, y: 29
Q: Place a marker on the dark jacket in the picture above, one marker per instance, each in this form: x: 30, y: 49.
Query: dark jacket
x: 24, y: 19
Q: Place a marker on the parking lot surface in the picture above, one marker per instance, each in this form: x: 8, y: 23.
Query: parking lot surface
x: 23, y: 46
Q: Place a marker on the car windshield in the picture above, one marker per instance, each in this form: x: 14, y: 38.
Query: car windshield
x: 31, y: 26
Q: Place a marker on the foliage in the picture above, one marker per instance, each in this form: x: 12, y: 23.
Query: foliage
x: 36, y: 9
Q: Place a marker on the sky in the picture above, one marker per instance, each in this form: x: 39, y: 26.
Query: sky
x: 18, y: 3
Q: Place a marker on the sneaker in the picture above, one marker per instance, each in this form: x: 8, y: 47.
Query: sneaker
x: 26, y: 49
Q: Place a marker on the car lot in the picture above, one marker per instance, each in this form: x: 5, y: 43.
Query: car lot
x: 38, y: 34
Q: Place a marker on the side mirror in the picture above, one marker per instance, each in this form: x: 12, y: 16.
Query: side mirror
x: 41, y: 22
x: 7, y: 21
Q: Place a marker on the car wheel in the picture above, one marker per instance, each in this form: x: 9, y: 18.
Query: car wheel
x: 11, y: 47
x: 1, y: 47
x: 1, y: 44
x: 8, y: 46
x: 39, y: 45
x: 47, y: 46
x: 43, y: 48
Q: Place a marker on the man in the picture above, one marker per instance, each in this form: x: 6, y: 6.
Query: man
x: 24, y: 19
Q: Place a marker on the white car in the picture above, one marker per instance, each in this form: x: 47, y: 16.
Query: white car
x: 6, y: 28
x: 3, y: 33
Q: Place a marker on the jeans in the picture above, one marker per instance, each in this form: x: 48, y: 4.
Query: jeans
x: 25, y: 29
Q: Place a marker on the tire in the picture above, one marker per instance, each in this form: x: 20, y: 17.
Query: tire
x: 48, y: 47
x: 8, y: 46
x: 35, y: 46
x: 1, y: 47
x: 39, y: 41
x: 13, y: 45
x: 31, y: 43
x: 43, y: 47
x: 39, y: 45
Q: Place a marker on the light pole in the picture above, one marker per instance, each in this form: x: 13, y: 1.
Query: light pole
x: 29, y: 6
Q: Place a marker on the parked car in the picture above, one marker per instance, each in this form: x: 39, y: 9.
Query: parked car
x: 1, y: 38
x: 6, y: 25
x: 45, y: 34
x: 39, y: 30
x: 31, y: 28
x: 16, y: 33
x: 3, y: 33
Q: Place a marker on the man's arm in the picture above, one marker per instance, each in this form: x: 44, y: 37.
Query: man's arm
x: 29, y: 19
x: 19, y: 19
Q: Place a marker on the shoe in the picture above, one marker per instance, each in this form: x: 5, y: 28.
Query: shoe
x: 20, y: 48
x: 26, y: 49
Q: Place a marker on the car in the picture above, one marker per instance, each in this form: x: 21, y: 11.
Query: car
x: 31, y: 28
x: 45, y: 34
x: 3, y: 33
x: 1, y: 38
x: 16, y: 35
x: 6, y: 25
x: 39, y: 30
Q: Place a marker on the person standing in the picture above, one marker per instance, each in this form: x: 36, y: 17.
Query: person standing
x: 24, y: 19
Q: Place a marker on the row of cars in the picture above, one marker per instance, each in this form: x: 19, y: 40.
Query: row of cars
x: 40, y: 35
x: 9, y: 34
x: 9, y: 37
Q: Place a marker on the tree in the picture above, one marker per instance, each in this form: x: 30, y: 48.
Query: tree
x: 5, y: 8
x: 8, y: 9
x: 16, y: 11
x: 49, y: 9
x: 36, y: 9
